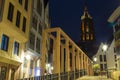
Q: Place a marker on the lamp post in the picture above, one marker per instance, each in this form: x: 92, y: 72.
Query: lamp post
x: 105, y: 46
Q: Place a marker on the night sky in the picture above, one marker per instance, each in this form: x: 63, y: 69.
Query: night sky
x: 67, y: 15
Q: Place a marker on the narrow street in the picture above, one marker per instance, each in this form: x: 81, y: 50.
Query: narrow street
x: 94, y: 78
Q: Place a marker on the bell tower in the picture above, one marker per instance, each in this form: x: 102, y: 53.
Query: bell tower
x: 87, y: 30
x: 87, y: 38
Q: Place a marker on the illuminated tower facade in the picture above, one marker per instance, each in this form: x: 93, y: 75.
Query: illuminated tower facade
x: 87, y: 30
x: 87, y: 37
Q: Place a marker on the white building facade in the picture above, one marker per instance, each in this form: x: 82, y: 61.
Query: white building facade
x: 114, y: 19
x: 105, y: 59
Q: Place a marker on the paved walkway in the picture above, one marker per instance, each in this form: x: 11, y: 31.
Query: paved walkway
x: 94, y: 78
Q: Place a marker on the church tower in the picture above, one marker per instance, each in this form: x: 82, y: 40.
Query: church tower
x: 87, y: 37
x: 87, y: 30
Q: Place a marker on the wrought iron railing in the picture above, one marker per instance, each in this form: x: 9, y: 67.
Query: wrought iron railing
x: 71, y: 75
x: 63, y: 76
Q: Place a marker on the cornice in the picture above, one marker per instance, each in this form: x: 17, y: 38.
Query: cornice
x: 114, y: 15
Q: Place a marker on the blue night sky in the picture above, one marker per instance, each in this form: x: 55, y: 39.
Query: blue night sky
x: 67, y: 13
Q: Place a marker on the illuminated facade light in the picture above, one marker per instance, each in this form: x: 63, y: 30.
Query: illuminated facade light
x: 37, y: 72
x: 104, y: 47
x: 95, y: 59
x: 47, y: 65
x: 28, y: 57
x: 52, y: 68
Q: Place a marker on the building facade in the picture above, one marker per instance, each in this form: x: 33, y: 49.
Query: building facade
x: 114, y: 19
x: 21, y: 26
x: 39, y: 21
x: 14, y: 32
x: 105, y: 60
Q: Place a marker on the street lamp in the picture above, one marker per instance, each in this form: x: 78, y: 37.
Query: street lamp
x: 94, y: 59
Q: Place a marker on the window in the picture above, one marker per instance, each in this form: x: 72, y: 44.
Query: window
x: 5, y: 41
x: 10, y: 12
x: 16, y: 48
x: 83, y: 37
x: 117, y: 27
x: 40, y: 29
x: 32, y: 40
x: 105, y: 58
x: 39, y: 7
x: 1, y: 7
x: 87, y: 36
x: 24, y: 25
x: 105, y: 66
x: 34, y: 22
x: 87, y: 29
x: 26, y: 5
x: 1, y: 4
x: 116, y: 65
x: 38, y: 45
x: 91, y: 36
x: 115, y: 58
x: 100, y: 58
x: 114, y: 50
x: 83, y: 27
x: 20, y: 1
x: 101, y: 66
x: 18, y: 19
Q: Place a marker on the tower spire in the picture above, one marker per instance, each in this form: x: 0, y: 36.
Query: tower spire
x: 85, y: 8
x: 85, y: 14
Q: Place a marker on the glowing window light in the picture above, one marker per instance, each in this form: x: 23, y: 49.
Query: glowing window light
x: 38, y: 72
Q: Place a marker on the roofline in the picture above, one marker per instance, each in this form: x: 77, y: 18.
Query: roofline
x: 114, y: 15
